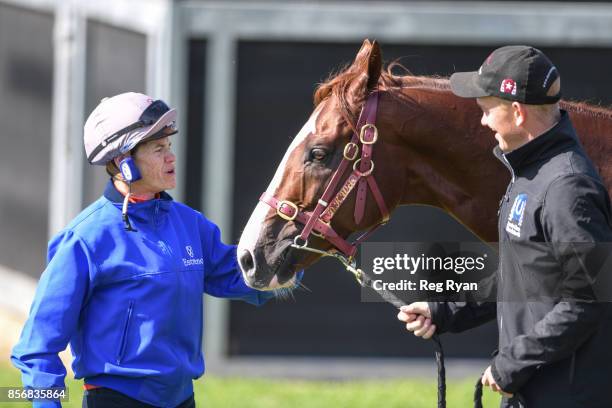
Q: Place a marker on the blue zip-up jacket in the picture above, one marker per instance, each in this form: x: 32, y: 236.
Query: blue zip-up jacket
x: 129, y: 303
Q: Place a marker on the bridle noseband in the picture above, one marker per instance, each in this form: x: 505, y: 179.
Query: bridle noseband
x: 318, y: 221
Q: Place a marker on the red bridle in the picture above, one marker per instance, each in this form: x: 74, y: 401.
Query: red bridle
x: 318, y: 221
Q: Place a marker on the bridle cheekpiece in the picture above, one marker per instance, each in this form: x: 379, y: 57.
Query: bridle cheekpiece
x: 318, y: 221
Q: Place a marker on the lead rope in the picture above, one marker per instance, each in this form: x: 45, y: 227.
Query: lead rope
x: 478, y: 394
x: 439, y: 353
x: 365, y: 281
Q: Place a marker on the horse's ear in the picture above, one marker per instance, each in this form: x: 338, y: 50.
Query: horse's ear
x: 369, y: 62
x: 363, y: 52
x: 374, y: 65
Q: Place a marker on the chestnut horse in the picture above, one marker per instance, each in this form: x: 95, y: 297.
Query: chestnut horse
x: 429, y: 149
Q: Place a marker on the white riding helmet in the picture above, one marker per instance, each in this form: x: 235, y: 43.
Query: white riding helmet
x: 119, y: 123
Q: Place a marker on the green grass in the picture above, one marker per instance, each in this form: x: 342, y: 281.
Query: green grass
x: 213, y: 392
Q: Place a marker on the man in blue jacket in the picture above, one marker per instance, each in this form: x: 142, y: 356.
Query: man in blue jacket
x: 125, y: 278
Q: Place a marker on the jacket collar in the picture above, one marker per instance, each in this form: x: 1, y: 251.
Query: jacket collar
x: 113, y: 195
x: 543, y: 147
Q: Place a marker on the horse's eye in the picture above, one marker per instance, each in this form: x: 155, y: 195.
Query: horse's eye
x: 318, y: 155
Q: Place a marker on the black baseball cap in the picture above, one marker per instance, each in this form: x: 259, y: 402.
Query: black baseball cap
x: 515, y: 72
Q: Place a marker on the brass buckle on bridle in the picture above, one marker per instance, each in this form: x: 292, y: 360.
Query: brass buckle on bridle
x: 362, y: 134
x: 346, y: 152
x: 285, y: 216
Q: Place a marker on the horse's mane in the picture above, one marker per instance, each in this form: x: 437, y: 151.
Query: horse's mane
x: 339, y: 82
x: 585, y: 108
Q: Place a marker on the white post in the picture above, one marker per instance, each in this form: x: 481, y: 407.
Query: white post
x: 218, y: 156
x: 176, y: 78
x: 66, y: 173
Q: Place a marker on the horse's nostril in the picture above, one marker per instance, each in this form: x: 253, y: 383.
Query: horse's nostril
x: 246, y: 262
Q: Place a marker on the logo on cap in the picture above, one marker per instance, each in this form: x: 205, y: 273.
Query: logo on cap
x: 508, y: 86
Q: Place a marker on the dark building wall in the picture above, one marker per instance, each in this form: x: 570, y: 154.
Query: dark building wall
x: 26, y: 88
x: 195, y: 85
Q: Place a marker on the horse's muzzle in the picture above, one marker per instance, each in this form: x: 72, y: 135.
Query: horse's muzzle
x: 258, y: 273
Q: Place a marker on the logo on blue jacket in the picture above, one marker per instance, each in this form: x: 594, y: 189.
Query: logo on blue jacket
x: 515, y: 218
x: 192, y: 261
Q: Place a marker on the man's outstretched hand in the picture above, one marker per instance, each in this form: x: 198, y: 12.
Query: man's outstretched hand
x: 417, y: 317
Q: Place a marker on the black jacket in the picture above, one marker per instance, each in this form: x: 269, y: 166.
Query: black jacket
x: 555, y: 328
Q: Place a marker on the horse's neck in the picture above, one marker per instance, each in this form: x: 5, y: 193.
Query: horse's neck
x: 449, y: 162
x: 594, y: 127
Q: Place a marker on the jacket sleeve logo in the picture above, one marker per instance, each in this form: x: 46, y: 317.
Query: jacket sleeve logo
x: 515, y: 218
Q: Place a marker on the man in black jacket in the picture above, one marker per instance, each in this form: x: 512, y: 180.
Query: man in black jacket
x: 555, y: 327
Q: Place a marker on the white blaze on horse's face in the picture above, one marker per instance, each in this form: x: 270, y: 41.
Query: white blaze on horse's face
x: 255, y: 227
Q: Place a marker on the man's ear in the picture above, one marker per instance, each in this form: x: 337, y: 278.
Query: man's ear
x: 519, y: 113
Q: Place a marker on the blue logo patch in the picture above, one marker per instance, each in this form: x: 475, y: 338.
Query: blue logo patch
x: 515, y: 218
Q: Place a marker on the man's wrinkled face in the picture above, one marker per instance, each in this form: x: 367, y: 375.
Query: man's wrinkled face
x: 156, y: 163
x: 499, y: 116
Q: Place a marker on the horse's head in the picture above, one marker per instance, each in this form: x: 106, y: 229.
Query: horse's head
x: 265, y: 251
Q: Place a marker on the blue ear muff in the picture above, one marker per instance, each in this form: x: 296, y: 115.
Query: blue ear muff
x: 129, y: 171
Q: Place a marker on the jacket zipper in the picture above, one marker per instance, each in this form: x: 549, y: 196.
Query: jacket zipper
x: 124, y: 334
x: 156, y: 217
x: 505, y: 198
x: 506, y: 195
